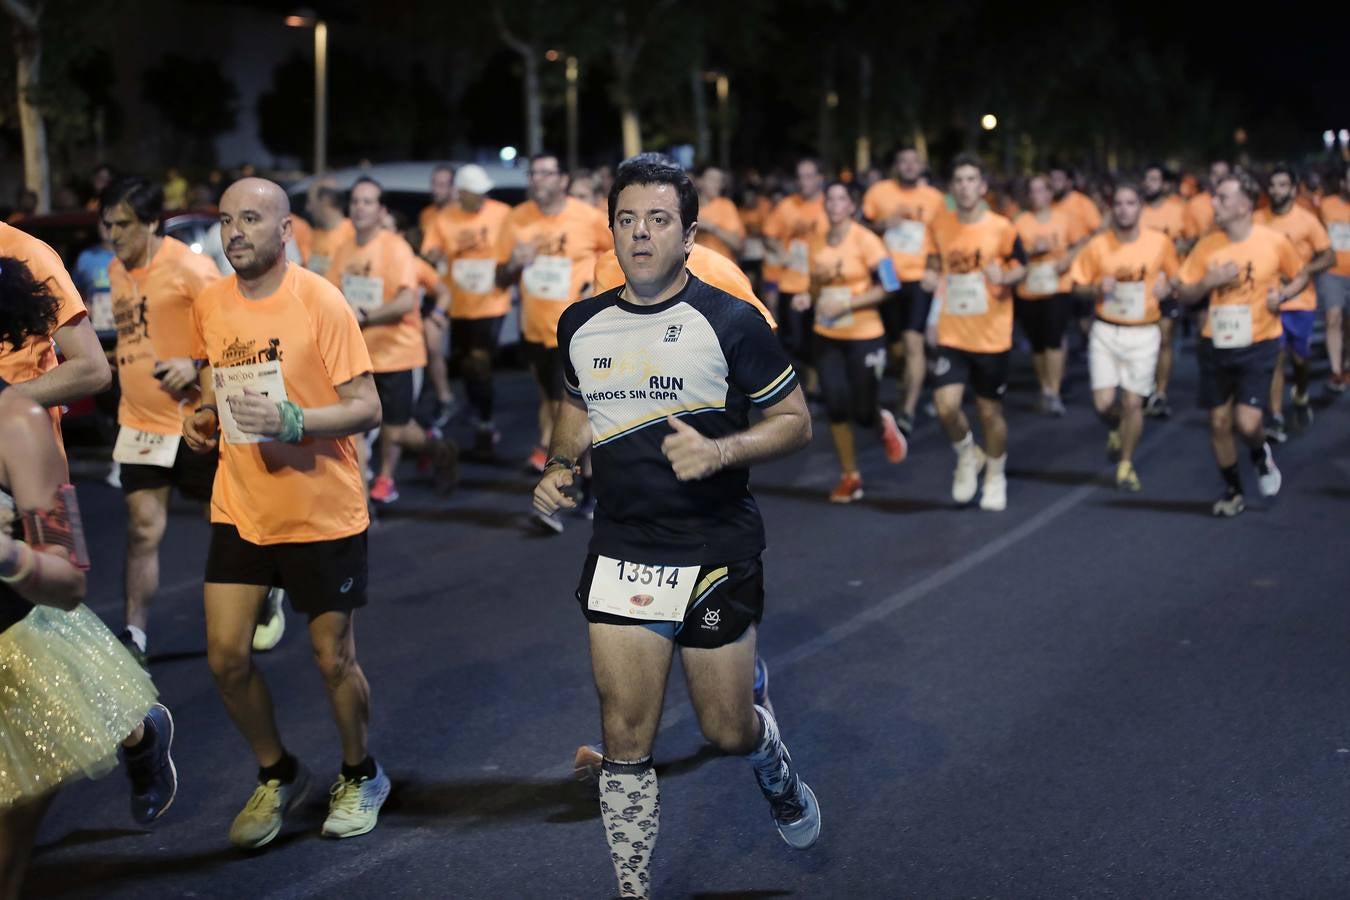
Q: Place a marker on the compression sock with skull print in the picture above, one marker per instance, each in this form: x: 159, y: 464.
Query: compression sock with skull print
x: 630, y: 805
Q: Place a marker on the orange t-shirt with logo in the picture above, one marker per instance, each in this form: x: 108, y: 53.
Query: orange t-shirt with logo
x: 918, y: 206
x: 152, y: 306
x: 287, y: 493
x: 1169, y: 217
x: 1199, y: 218
x: 976, y: 316
x: 1335, y: 212
x: 38, y: 355
x: 706, y: 265
x: 721, y: 213
x: 1060, y: 232
x: 845, y: 269
x: 429, y: 214
x: 1080, y: 208
x: 324, y: 243
x: 794, y: 223
x: 564, y: 266
x: 1262, y: 258
x: 385, y: 265
x: 303, y: 233
x: 1135, y: 264
x: 1309, y: 238
x: 469, y: 243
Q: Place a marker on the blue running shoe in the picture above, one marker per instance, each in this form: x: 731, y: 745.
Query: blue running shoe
x: 797, y: 815
x: 149, y: 765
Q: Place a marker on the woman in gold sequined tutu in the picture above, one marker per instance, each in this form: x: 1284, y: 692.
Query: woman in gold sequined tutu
x: 71, y: 698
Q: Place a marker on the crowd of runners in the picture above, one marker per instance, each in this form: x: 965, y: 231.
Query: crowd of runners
x: 277, y: 376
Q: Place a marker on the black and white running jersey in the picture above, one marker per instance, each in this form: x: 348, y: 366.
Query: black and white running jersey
x: 703, y: 356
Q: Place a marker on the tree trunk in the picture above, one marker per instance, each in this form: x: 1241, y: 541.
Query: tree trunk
x: 529, y: 55
x: 702, y: 132
x: 28, y: 53
x: 632, y: 129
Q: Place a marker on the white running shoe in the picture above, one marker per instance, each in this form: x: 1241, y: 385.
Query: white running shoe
x: 994, y: 497
x: 1268, y: 475
x: 267, y: 633
x: 966, y: 479
x: 259, y: 822
x: 354, y: 804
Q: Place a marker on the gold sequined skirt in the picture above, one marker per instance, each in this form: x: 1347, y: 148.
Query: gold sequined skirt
x: 70, y: 693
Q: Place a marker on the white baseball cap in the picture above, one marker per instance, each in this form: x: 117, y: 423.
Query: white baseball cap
x: 472, y: 178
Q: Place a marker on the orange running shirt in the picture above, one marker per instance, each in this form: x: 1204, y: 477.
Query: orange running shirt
x: 303, y: 233
x: 1059, y: 232
x: 152, y: 306
x: 753, y: 218
x: 976, y: 316
x: 1199, y: 218
x: 706, y: 265
x: 469, y: 243
x: 38, y: 355
x: 285, y: 493
x: 845, y: 270
x: 1239, y: 310
x: 1079, y: 208
x: 1169, y: 217
x: 564, y: 267
x: 794, y: 223
x: 723, y: 214
x: 1305, y: 232
x: 1335, y: 214
x: 325, y: 242
x: 1134, y: 266
x: 372, y: 276
x: 917, y: 207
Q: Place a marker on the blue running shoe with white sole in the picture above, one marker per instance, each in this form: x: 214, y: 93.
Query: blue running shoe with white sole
x: 149, y: 765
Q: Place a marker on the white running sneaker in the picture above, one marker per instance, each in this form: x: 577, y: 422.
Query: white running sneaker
x: 267, y: 633
x: 259, y: 822
x: 994, y: 497
x: 354, y: 804
x: 1268, y: 475
x: 966, y: 479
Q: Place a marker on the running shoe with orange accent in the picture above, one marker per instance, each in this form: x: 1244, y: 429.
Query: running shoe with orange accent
x: 849, y: 488
x: 893, y: 439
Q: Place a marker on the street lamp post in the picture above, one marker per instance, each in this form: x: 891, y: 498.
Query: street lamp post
x: 306, y: 18
x: 723, y: 121
x: 573, y: 141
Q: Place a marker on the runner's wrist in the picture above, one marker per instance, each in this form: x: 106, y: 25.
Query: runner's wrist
x: 208, y: 407
x: 292, y: 422
x: 560, y: 461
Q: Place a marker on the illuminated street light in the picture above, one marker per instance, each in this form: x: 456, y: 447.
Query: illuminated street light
x: 508, y: 154
x: 989, y: 122
x: 305, y: 18
x: 1345, y: 137
x: 1329, y: 138
x: 552, y: 55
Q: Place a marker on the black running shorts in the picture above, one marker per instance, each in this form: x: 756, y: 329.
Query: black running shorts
x: 726, y: 601
x: 318, y: 576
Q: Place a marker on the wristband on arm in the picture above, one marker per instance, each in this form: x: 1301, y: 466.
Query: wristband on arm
x: 292, y: 422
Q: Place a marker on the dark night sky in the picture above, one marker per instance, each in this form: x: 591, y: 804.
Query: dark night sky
x: 1284, y: 69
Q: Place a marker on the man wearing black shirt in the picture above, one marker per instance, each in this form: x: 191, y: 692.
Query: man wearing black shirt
x: 661, y: 374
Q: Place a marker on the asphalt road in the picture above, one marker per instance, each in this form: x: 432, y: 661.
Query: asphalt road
x: 1090, y: 694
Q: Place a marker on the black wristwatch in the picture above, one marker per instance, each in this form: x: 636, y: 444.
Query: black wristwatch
x: 566, y: 462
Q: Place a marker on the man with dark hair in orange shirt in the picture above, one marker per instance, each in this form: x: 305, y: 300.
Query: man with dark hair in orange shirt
x: 1247, y: 271
x: 978, y: 257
